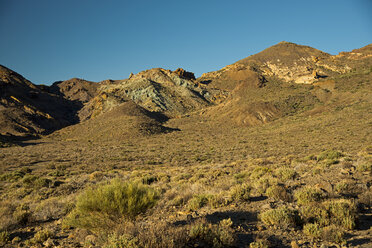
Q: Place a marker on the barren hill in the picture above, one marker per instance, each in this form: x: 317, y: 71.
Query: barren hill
x: 27, y: 109
x: 123, y: 122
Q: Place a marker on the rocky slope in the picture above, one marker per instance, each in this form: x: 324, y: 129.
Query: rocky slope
x: 157, y: 90
x: 252, y: 91
x: 27, y: 109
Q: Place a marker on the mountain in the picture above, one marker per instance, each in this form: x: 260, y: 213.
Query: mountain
x: 27, y: 109
x: 282, y: 80
x: 271, y: 151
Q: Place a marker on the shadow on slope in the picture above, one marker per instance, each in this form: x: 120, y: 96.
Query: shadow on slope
x: 126, y: 121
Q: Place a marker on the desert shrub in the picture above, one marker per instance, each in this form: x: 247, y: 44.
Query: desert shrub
x: 218, y: 236
x: 315, y: 213
x: 364, y: 167
x: 278, y: 192
x: 218, y: 200
x: 310, y: 157
x: 6, y: 215
x: 52, y: 208
x: 240, y: 192
x: 36, y: 182
x: 313, y: 230
x: 197, y: 201
x: 22, y: 214
x: 241, y: 176
x: 342, y: 213
x: 308, y: 195
x: 121, y: 241
x: 286, y: 173
x: 111, y: 203
x: 12, y: 176
x: 41, y: 236
x: 262, y: 184
x: 258, y: 244
x: 4, y: 237
x: 280, y: 217
x: 333, y: 234
x: 330, y: 154
x: 341, y: 187
x: 259, y: 172
x: 161, y: 234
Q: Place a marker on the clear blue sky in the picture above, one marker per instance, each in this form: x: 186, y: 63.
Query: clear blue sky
x: 50, y: 40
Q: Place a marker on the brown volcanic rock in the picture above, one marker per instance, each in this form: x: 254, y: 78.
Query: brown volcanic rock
x: 184, y: 74
x: 75, y: 89
x: 26, y: 109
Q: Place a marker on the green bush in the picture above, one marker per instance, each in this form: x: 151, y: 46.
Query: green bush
x: 259, y: 172
x: 308, y: 195
x: 278, y: 192
x: 262, y: 184
x: 240, y: 192
x: 342, y: 213
x: 42, y: 236
x: 258, y: 244
x: 4, y: 237
x: 12, y: 176
x: 330, y: 154
x: 121, y: 241
x: 197, y: 201
x: 313, y: 230
x: 216, y: 236
x: 286, y: 173
x: 364, y: 167
x: 109, y: 204
x: 333, y: 234
x: 315, y: 213
x: 280, y: 217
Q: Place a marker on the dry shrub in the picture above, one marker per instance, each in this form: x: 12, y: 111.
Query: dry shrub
x: 313, y: 230
x: 278, y: 192
x: 240, y: 192
x: 102, y: 207
x: 51, y: 209
x: 286, y: 173
x: 204, y: 234
x: 333, y: 234
x: 342, y: 213
x: 281, y: 217
x: 308, y: 195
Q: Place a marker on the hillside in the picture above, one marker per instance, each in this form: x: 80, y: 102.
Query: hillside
x: 271, y: 151
x: 26, y: 109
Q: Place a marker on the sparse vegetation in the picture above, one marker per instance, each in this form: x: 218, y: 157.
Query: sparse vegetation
x: 110, y: 204
x: 277, y: 163
x: 308, y: 195
x: 282, y: 217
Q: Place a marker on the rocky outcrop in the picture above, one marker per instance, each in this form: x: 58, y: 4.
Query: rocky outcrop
x: 184, y: 74
x: 157, y: 90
